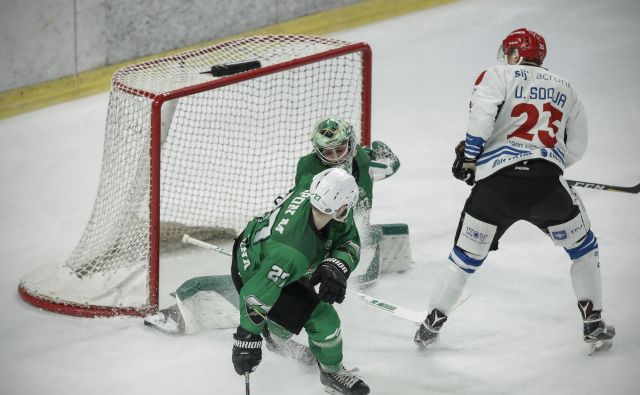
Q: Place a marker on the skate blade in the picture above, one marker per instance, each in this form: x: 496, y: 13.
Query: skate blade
x: 600, y: 346
x: 332, y: 391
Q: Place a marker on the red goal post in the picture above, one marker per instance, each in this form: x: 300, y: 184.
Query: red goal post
x: 187, y: 152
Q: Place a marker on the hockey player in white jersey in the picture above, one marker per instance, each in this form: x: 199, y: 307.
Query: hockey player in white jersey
x: 526, y: 125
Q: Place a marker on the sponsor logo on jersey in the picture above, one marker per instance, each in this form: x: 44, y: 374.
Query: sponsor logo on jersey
x: 522, y: 74
x: 552, y: 77
x: 256, y: 310
x: 476, y: 235
x: 559, y: 235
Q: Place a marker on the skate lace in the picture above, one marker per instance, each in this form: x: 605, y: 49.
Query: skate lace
x: 345, y: 378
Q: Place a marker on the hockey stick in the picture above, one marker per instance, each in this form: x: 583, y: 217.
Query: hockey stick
x: 186, y: 239
x: 246, y: 383
x: 604, y: 187
x: 401, y: 312
x: 417, y: 317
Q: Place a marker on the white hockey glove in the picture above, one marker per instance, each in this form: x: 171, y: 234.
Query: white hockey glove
x: 384, y: 163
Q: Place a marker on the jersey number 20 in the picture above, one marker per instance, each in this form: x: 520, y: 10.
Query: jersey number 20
x: 532, y: 113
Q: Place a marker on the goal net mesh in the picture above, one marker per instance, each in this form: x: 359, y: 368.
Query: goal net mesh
x: 227, y: 150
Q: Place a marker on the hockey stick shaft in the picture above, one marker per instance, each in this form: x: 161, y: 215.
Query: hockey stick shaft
x: 186, y: 239
x: 401, y: 312
x: 246, y: 383
x: 604, y: 187
x: 389, y: 308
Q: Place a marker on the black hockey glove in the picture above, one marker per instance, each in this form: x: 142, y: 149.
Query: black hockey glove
x: 463, y: 168
x: 247, y: 351
x: 332, y: 275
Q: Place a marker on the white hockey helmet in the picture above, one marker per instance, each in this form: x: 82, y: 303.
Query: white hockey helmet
x: 334, y: 192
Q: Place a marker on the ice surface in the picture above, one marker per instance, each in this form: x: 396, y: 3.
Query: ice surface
x: 519, y: 333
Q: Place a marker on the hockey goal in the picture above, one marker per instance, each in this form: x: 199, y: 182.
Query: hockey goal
x: 191, y: 151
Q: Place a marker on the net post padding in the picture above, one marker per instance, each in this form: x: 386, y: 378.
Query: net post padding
x: 186, y: 152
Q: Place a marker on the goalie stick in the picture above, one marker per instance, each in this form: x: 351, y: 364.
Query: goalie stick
x: 604, y: 187
x: 398, y: 311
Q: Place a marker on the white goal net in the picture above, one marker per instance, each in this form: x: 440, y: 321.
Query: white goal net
x: 187, y: 152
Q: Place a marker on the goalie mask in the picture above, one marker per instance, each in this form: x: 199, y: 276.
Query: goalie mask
x: 333, y: 141
x: 334, y: 192
x: 527, y: 45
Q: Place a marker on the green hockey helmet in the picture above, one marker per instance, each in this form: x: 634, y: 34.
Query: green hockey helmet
x: 333, y: 141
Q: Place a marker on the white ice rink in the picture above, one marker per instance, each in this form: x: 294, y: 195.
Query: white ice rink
x: 519, y: 333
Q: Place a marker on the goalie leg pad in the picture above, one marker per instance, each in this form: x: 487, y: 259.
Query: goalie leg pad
x: 207, y: 310
x: 395, y: 248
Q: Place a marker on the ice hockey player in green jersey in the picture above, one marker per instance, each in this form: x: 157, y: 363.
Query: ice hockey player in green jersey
x: 334, y: 145
x: 309, y: 238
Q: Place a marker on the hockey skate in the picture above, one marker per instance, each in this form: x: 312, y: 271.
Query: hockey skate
x: 428, y: 333
x: 343, y: 382
x: 167, y: 320
x: 596, y: 332
x: 289, y: 348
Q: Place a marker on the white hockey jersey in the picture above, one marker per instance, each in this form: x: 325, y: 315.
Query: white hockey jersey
x: 520, y: 113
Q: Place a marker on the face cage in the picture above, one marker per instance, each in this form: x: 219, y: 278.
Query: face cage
x: 334, y: 162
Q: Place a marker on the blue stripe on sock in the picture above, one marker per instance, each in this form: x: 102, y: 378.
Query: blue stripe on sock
x: 464, y: 269
x: 589, y: 243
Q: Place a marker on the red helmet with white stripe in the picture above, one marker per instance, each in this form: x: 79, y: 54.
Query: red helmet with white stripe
x: 528, y: 45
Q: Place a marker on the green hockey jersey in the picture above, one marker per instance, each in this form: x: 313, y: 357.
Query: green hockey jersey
x: 310, y: 165
x: 283, y: 246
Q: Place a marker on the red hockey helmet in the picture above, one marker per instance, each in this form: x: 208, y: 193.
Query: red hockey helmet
x: 529, y: 45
